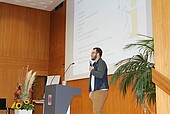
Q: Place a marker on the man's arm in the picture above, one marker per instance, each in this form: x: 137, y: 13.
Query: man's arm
x: 100, y: 71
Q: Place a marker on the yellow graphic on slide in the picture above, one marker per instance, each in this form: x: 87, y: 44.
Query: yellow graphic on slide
x: 129, y: 13
x: 133, y: 14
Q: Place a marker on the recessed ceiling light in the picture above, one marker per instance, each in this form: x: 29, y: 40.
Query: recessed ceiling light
x: 45, y: 6
x: 33, y: 4
x: 17, y: 1
x: 42, y: 2
x: 51, y: 1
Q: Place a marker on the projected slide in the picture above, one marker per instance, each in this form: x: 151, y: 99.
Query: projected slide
x: 108, y: 24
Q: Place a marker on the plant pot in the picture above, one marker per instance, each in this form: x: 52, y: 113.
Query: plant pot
x: 23, y: 112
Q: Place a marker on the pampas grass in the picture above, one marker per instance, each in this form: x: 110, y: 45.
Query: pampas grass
x: 29, y: 80
x: 32, y: 78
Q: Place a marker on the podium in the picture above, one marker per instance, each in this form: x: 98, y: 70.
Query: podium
x: 58, y: 98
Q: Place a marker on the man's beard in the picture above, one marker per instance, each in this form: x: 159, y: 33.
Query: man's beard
x: 94, y: 58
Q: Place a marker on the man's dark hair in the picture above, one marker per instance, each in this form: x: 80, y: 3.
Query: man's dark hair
x: 98, y: 50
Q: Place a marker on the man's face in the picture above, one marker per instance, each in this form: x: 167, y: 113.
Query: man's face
x: 93, y: 54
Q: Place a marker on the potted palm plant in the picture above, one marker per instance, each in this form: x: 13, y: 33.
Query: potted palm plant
x: 136, y: 72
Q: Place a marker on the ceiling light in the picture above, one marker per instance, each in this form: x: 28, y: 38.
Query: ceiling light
x: 51, y: 1
x: 42, y: 2
x: 32, y: 4
x: 17, y: 1
x: 45, y: 6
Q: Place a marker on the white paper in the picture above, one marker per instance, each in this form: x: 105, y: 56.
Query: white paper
x: 56, y: 80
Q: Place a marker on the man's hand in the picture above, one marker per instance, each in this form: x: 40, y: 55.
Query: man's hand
x: 90, y: 95
x: 91, y: 68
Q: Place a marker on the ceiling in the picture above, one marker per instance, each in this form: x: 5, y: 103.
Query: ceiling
x: 47, y: 5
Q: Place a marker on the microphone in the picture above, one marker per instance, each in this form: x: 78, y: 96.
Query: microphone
x: 90, y: 63
x: 68, y: 68
x: 56, y: 73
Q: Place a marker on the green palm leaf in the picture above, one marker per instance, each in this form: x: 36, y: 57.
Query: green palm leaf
x: 136, y: 72
x: 147, y: 46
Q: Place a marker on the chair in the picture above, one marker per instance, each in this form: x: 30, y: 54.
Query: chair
x: 3, y: 105
x: 49, y: 81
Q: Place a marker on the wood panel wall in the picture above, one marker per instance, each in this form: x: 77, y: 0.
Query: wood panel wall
x: 57, y: 41
x: 24, y: 40
x: 161, y: 22
x: 115, y: 103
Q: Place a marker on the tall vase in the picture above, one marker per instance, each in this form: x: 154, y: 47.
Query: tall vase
x: 23, y: 112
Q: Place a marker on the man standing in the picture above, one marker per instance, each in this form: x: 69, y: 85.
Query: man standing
x: 98, y: 84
